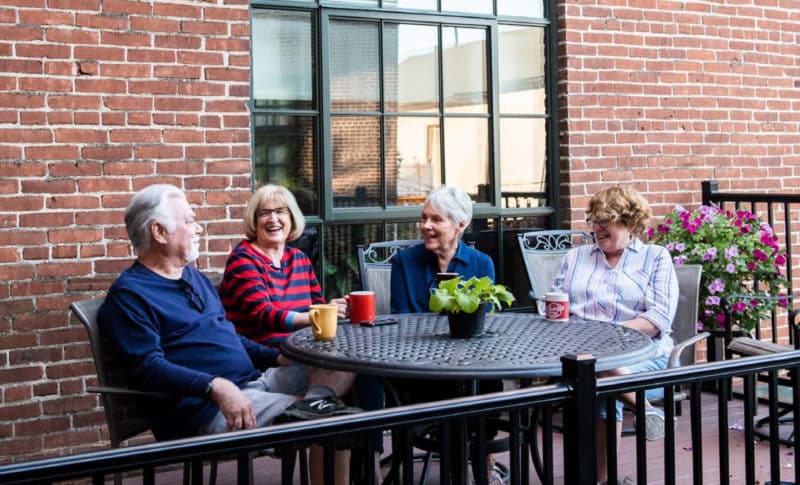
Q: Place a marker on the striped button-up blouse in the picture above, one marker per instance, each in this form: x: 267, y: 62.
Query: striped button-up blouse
x: 642, y: 284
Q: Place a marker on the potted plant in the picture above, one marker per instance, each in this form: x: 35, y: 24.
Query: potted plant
x: 465, y: 302
x: 741, y: 260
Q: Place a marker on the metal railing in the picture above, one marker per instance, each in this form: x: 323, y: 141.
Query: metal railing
x: 462, y: 422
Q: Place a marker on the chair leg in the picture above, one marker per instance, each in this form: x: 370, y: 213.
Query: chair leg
x: 288, y: 458
x: 187, y: 473
x: 303, y: 466
x: 426, y: 468
x: 212, y: 473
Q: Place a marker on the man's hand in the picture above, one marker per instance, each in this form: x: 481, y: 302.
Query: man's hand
x: 237, y: 409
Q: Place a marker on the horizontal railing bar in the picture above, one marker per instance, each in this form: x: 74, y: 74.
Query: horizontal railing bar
x: 709, y: 371
x: 157, y: 454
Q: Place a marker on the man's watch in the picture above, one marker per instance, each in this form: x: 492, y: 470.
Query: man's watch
x: 209, y: 388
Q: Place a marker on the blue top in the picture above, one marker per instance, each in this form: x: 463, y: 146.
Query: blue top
x: 172, y: 336
x: 414, y: 274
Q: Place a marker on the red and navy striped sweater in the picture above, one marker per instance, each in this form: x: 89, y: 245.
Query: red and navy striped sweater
x: 261, y: 300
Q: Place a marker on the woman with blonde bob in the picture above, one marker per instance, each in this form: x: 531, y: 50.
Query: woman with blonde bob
x: 620, y: 279
x: 268, y: 286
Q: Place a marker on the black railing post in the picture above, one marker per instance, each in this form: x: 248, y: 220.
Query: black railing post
x: 580, y: 414
x: 708, y: 187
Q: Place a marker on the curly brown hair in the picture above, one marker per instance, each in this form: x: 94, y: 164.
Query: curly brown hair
x: 621, y: 204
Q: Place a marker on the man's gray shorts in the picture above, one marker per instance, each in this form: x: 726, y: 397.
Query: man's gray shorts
x: 274, y: 391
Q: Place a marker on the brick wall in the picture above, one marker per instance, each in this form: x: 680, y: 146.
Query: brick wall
x: 98, y: 99
x: 666, y: 94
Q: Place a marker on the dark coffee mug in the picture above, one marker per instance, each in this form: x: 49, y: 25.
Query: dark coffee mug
x: 445, y: 276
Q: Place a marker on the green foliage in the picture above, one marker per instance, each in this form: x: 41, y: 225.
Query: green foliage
x: 459, y: 295
x: 740, y: 258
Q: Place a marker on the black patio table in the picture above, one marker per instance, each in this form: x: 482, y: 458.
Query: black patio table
x: 514, y: 345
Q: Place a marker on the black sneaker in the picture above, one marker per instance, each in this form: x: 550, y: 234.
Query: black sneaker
x: 315, y: 408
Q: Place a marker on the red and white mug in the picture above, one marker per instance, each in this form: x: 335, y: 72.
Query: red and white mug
x: 556, y: 306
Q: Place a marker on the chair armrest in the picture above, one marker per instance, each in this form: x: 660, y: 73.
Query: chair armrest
x: 675, y: 355
x: 123, y: 391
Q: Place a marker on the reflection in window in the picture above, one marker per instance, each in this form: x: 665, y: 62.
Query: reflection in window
x: 413, y: 159
x: 464, y: 70
x: 466, y: 155
x: 411, y: 68
x: 354, y: 66
x: 284, y: 153
x: 356, y: 161
x: 521, y: 69
x: 521, y: 8
x: 523, y: 157
x: 340, y: 268
x: 283, y: 63
x: 468, y: 6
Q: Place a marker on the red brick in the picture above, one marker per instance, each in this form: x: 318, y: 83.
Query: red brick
x: 184, y: 119
x: 72, y: 36
x: 42, y: 426
x: 11, y: 33
x: 104, y: 217
x: 74, y: 169
x: 71, y: 404
x: 111, y: 266
x: 125, y: 39
x: 228, y: 45
x: 45, y: 84
x: 19, y: 374
x: 135, y: 136
x: 113, y: 152
x: 29, y: 356
x: 125, y: 6
x: 182, y: 72
x: 9, y: 153
x: 48, y: 186
x: 152, y: 87
x: 60, y: 236
x: 20, y: 446
x: 10, y: 307
x: 52, y: 152
x: 178, y: 41
x: 59, y: 68
x: 18, y: 393
x: 90, y: 284
x: 128, y: 102
x: 61, y: 252
x: 10, y: 135
x: 201, y: 89
x: 36, y: 288
x: 180, y: 10
x: 228, y: 136
x: 29, y: 254
x: 32, y: 118
x: 181, y: 167
x: 201, y: 58
x: 73, y: 102
x: 151, y: 55
x: 227, y: 106
x: 226, y: 13
x: 178, y: 104
x: 211, y: 28
x: 148, y: 24
x: 46, y: 219
x: 227, y: 74
x: 92, y: 250
x: 73, y: 202
x: 129, y: 168
x: 183, y: 136
x: 100, y: 86
x: 125, y: 70
x: 45, y: 389
x: 39, y: 51
x: 99, y: 53
x: 60, y: 118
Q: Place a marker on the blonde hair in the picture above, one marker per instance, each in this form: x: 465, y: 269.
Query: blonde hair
x: 621, y: 204
x: 280, y: 195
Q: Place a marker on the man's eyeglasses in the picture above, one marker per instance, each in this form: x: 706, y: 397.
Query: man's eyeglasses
x: 280, y: 211
x: 602, y: 223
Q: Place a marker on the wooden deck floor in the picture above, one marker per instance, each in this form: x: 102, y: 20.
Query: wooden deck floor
x: 267, y: 469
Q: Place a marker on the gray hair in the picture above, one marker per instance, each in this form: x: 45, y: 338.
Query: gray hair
x: 454, y: 203
x: 147, y: 206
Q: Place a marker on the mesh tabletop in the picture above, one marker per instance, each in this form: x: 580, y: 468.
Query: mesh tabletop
x: 513, y: 345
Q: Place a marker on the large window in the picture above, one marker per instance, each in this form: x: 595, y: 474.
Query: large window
x: 361, y: 107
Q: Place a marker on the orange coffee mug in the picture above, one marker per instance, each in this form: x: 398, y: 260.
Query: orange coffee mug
x: 362, y: 307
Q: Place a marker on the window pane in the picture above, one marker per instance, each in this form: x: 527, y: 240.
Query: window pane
x: 521, y: 69
x: 470, y: 6
x: 416, y: 4
x: 523, y: 157
x: 402, y: 230
x: 283, y: 59
x: 466, y: 156
x: 411, y: 73
x: 413, y: 159
x: 356, y: 161
x: 340, y: 267
x: 464, y: 70
x: 483, y: 233
x: 520, y: 8
x: 285, y: 148
x: 354, y: 66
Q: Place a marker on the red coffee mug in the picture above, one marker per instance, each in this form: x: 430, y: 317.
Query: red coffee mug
x: 362, y: 307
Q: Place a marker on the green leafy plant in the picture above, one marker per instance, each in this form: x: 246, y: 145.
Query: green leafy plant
x: 458, y: 295
x: 740, y: 256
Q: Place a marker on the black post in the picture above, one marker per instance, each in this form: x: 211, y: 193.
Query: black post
x: 708, y: 187
x: 580, y: 415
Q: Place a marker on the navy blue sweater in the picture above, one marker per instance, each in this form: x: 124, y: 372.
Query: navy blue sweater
x: 173, y: 337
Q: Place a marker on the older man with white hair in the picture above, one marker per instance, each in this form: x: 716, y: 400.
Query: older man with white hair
x: 168, y: 325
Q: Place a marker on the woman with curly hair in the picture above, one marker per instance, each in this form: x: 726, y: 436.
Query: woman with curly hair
x: 622, y: 280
